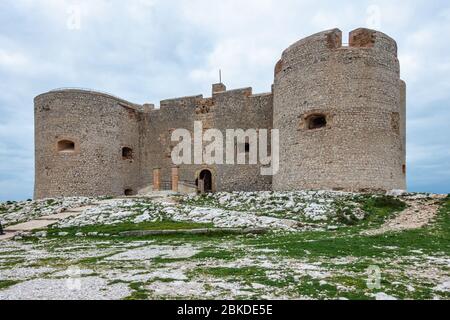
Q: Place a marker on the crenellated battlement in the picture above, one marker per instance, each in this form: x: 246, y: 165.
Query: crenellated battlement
x: 367, y: 38
x: 318, y: 47
x: 332, y: 39
x: 346, y: 101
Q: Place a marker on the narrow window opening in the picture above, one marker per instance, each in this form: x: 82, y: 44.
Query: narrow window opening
x: 247, y: 147
x: 316, y: 122
x: 404, y: 169
x: 66, y: 146
x: 127, y: 153
x: 395, y: 122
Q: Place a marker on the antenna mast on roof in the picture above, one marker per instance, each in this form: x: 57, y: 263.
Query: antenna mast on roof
x: 220, y: 76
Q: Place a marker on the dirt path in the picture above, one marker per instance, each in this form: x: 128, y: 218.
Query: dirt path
x: 43, y: 222
x: 419, y: 213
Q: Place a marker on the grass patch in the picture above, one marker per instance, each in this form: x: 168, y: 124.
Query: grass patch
x: 219, y: 254
x: 139, y: 293
x: 308, y: 286
x: 95, y: 260
x: 127, y: 226
x: 222, y: 272
x: 348, y: 242
x: 381, y: 208
x: 161, y: 260
x: 203, y: 200
x: 431, y: 240
x: 375, y: 209
x: 12, y: 262
x: 50, y: 202
x: 48, y: 262
x: 7, y: 283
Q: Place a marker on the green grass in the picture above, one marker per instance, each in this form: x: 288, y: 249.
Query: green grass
x: 313, y: 247
x: 128, y: 226
x: 245, y: 272
x: 9, y: 207
x: 160, y: 260
x: 305, y: 285
x: 217, y: 254
x: 7, y: 283
x: 139, y: 293
x: 377, y: 210
x: 433, y: 240
x: 49, y: 261
x: 8, y: 253
x: 203, y: 200
x: 348, y: 242
x: 380, y: 209
x: 12, y: 262
x: 50, y: 202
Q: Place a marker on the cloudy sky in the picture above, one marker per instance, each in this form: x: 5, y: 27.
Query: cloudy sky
x: 149, y: 50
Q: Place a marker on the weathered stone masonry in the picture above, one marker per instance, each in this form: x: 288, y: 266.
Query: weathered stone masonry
x: 341, y: 112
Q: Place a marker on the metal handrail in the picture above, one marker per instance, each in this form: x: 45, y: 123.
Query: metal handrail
x: 166, y: 185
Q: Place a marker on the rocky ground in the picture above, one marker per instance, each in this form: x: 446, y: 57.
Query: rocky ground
x: 318, y: 245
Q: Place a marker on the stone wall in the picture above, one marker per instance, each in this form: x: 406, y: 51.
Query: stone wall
x: 341, y: 112
x: 234, y: 109
x: 100, y: 126
x: 357, y: 89
x: 240, y: 109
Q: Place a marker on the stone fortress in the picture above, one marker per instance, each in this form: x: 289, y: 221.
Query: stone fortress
x: 340, y: 110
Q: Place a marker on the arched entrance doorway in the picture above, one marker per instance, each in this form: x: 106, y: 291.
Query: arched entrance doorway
x: 205, y: 182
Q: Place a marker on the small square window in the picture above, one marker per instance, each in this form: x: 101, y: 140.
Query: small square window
x: 127, y: 153
x: 316, y: 121
x: 66, y: 146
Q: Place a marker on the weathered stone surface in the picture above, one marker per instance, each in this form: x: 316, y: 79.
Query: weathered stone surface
x: 7, y: 235
x: 359, y: 92
x: 31, y: 225
x: 94, y: 144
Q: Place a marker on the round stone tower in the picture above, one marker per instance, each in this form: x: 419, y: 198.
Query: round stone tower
x: 341, y: 114
x: 87, y: 144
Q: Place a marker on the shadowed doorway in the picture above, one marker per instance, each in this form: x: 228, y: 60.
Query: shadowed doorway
x: 205, y: 182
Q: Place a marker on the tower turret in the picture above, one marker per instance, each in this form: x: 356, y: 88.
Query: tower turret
x: 340, y: 111
x: 87, y: 144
